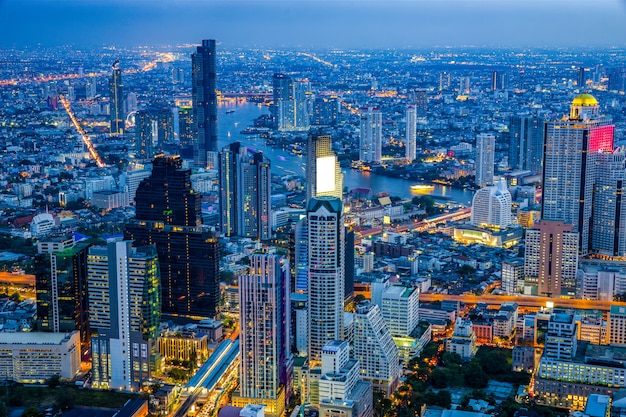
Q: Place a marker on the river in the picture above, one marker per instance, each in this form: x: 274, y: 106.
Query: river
x: 231, y: 124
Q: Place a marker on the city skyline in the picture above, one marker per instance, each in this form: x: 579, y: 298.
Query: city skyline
x: 344, y: 24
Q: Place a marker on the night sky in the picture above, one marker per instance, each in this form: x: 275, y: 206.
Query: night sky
x: 317, y: 24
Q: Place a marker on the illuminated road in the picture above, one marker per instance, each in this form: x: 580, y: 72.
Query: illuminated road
x: 315, y: 58
x: 81, y: 131
x: 524, y: 301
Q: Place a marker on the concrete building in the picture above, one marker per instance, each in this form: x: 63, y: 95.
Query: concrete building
x: 375, y: 349
x: 410, y: 133
x: 33, y: 357
x: 491, y: 207
x: 551, y: 258
x: 400, y: 309
x: 512, y: 276
x: 326, y: 269
x: 323, y: 173
x: 617, y: 325
x: 463, y: 340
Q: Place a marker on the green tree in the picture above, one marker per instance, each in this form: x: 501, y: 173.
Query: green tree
x: 54, y: 381
x: 474, y: 375
x: 3, y: 410
x: 440, y: 378
x: 65, y: 398
x: 32, y: 412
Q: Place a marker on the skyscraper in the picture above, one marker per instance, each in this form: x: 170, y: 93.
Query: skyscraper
x: 146, y: 136
x: 125, y: 311
x: 608, y: 236
x: 551, y: 258
x: 326, y: 267
x: 264, y: 323
x: 116, y: 100
x: 245, y: 192
x: 526, y: 136
x: 410, y: 133
x: 485, y: 149
x: 323, y: 172
x: 421, y: 103
x: 282, y: 91
x: 168, y: 215
x: 371, y: 135
x: 580, y: 78
x: 375, y: 349
x: 61, y: 284
x: 204, y: 96
x: 572, y: 150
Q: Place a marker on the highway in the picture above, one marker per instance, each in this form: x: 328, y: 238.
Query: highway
x: 81, y: 131
x: 524, y: 301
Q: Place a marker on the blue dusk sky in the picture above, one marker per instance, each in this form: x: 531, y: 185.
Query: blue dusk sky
x: 315, y: 24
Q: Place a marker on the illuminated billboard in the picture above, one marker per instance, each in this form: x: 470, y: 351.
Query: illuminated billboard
x: 325, y: 177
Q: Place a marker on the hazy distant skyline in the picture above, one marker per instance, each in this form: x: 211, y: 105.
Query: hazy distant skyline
x: 315, y: 24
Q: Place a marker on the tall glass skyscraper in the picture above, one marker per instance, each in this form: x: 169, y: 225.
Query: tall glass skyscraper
x: 116, y: 97
x: 323, y: 172
x: 245, y: 192
x: 204, y: 96
x: 526, y: 135
x: 371, y: 135
x: 168, y: 215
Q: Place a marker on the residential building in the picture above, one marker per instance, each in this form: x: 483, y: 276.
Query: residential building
x: 371, y: 135
x: 484, y: 163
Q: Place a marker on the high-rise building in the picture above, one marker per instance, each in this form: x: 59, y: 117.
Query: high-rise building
x: 421, y: 103
x: 526, y: 136
x: 294, y: 110
x: 410, y: 133
x: 124, y: 312
x: 168, y: 215
x: 375, y: 349
x: 400, y: 308
x: 512, y: 274
x: 551, y: 258
x: 146, y: 136
x: 608, y: 236
x: 185, y: 126
x: 371, y: 135
x: 325, y: 111
x: 572, y: 151
x: 301, y: 256
x: 204, y: 95
x: 61, y: 284
x: 485, y: 150
x: 264, y: 323
x: 326, y: 268
x: 491, y: 207
x: 245, y: 191
x: 116, y: 100
x: 494, y: 80
x: 617, y: 325
x: 561, y: 337
x: 323, y: 172
x: 580, y: 77
x: 617, y: 79
x: 282, y: 91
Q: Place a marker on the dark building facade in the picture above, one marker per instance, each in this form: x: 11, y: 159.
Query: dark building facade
x: 61, y: 285
x: 168, y: 215
x: 204, y: 96
x: 116, y: 97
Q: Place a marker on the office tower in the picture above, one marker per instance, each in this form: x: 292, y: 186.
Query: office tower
x: 561, y: 338
x: 526, y: 137
x: 323, y: 172
x: 572, y: 149
x: 91, y: 88
x: 185, y: 126
x: 301, y: 97
x: 131, y: 103
x: 617, y: 325
x: 349, y: 270
x: 512, y: 274
x: 608, y: 232
x: 326, y: 268
x: 116, y: 100
x: 264, y: 324
x: 617, y: 79
x: 245, y: 191
x: 299, y: 323
x: 61, y: 282
x: 325, y: 111
x: 484, y: 164
x: 124, y: 312
x: 169, y: 216
x: 204, y: 96
x: 375, y: 349
x: 410, y: 133
x: 494, y: 80
x: 421, y: 103
x: 341, y: 392
x: 551, y: 258
x: 301, y: 256
x: 491, y: 207
x: 444, y: 81
x: 282, y: 91
x: 400, y: 308
x: 580, y: 78
x: 146, y: 136
x: 371, y: 135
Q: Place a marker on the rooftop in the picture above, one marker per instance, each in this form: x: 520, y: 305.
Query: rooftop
x: 34, y: 338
